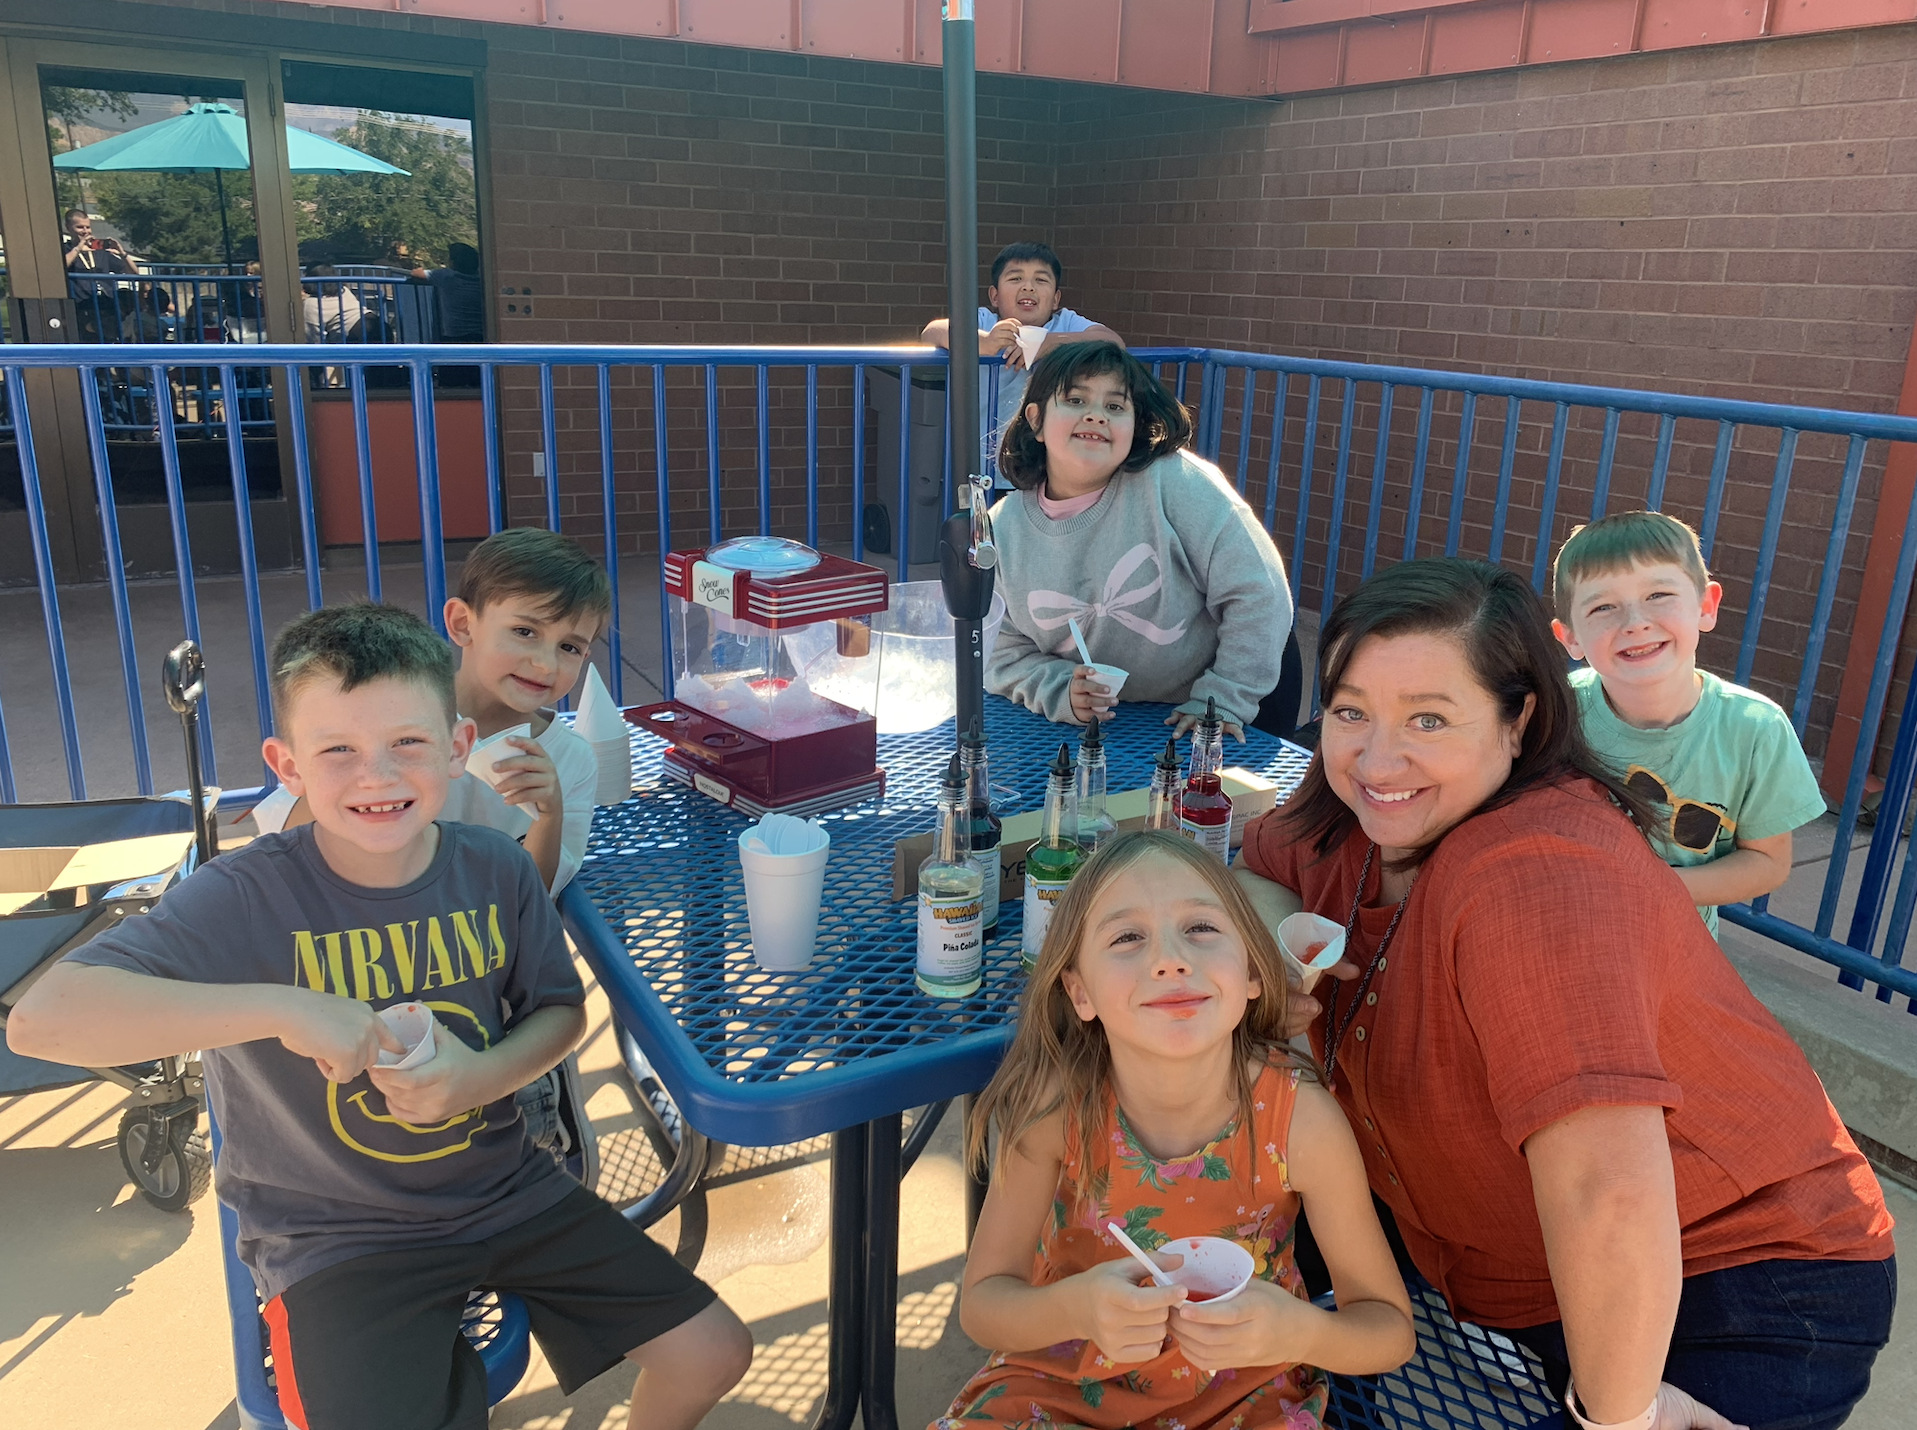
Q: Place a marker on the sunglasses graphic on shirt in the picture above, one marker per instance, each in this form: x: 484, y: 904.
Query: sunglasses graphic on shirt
x: 1693, y: 825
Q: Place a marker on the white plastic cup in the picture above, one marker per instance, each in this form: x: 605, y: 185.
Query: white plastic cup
x: 1213, y: 1270
x: 1111, y: 677
x: 1298, y: 933
x: 782, y: 903
x: 413, y: 1024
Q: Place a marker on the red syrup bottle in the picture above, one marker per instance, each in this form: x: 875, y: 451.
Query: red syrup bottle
x: 1204, y: 811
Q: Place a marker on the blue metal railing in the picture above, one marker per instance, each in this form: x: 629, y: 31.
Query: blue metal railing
x: 1350, y: 464
x: 199, y: 304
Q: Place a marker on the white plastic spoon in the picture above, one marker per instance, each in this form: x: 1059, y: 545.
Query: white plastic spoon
x: 1143, y: 1260
x: 1079, y: 636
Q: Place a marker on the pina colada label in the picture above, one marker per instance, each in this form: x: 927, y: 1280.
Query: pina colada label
x: 951, y: 939
x: 1041, y: 897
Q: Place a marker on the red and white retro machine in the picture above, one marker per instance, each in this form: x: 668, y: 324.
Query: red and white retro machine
x: 773, y: 698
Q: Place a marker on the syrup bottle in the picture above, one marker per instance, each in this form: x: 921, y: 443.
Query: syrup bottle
x: 1204, y: 812
x: 984, y: 821
x: 1168, y: 775
x: 1095, y: 824
x: 1050, y: 863
x: 950, y: 943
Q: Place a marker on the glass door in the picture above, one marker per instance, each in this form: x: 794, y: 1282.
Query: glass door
x: 153, y: 213
x: 159, y: 243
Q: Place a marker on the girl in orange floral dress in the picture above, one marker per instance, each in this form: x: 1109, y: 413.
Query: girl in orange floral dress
x: 1150, y: 1084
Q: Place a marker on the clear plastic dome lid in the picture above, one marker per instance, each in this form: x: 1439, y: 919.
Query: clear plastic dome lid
x: 768, y: 556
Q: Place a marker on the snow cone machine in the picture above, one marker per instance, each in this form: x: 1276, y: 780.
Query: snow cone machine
x: 774, y: 697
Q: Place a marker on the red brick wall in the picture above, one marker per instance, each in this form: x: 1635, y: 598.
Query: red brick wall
x: 1734, y: 222
x: 650, y: 192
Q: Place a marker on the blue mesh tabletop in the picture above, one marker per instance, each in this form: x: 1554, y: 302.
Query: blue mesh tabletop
x: 762, y: 1058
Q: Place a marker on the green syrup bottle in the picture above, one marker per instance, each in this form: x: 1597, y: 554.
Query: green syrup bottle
x: 1050, y: 863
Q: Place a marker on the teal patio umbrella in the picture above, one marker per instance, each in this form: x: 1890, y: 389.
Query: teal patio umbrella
x: 211, y: 138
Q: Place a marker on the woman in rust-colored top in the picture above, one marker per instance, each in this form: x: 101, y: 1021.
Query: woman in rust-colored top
x: 1589, y: 1131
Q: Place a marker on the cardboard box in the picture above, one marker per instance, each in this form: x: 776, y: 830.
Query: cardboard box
x: 1251, y: 795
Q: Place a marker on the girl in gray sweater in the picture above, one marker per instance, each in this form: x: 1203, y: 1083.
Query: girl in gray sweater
x: 1166, y: 568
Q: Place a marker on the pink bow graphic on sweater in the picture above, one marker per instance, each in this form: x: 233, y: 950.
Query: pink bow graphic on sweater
x: 1113, y: 603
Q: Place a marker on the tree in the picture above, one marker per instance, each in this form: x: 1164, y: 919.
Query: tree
x: 375, y: 218
x: 175, y: 218
x: 66, y: 107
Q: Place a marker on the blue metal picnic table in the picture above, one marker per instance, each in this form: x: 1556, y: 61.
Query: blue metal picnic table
x: 848, y: 1045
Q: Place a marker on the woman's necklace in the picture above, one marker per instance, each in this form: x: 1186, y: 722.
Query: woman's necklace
x: 1335, y: 1030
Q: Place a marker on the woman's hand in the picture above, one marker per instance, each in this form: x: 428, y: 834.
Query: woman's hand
x: 1302, y: 1009
x: 1090, y: 698
x: 1262, y: 1325
x: 1678, y: 1410
x: 1125, y: 1320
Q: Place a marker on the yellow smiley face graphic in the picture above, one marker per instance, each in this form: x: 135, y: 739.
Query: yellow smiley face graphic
x: 384, y: 1137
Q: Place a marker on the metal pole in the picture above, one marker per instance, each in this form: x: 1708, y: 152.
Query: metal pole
x: 967, y: 553
x: 226, y: 242
x: 959, y: 39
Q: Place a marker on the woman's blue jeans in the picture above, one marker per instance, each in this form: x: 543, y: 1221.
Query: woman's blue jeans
x: 1775, y: 1345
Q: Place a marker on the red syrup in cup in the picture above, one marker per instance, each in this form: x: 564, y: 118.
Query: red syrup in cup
x: 1312, y: 950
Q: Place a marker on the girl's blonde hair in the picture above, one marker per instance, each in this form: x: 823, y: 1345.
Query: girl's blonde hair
x: 1059, y: 1060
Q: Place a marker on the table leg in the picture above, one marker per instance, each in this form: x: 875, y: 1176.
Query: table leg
x: 975, y: 1178
x: 845, y: 1295
x: 882, y: 1160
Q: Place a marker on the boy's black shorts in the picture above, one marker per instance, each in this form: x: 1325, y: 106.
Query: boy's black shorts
x: 374, y: 1342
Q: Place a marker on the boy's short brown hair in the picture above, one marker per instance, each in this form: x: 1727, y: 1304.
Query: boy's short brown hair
x: 356, y: 644
x: 542, y: 565
x: 1617, y: 543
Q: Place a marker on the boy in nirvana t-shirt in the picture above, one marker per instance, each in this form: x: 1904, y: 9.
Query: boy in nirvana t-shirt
x: 372, y: 1199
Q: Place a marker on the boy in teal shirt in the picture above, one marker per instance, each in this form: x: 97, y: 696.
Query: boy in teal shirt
x: 1721, y: 764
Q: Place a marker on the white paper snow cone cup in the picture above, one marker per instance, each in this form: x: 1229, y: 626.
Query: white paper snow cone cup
x: 1030, y: 340
x: 782, y: 902
x: 412, y: 1023
x: 1111, y: 677
x: 1213, y: 1270
x: 1295, y: 937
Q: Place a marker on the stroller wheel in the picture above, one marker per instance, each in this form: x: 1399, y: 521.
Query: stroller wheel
x: 172, y: 1174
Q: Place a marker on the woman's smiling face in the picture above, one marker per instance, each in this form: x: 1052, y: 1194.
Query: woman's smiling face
x: 1412, y: 743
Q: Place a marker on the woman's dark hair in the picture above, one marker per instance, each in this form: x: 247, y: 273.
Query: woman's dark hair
x: 1160, y: 423
x: 1507, y: 639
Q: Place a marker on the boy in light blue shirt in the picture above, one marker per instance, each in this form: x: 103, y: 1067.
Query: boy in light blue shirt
x: 1720, y: 764
x: 1026, y: 296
